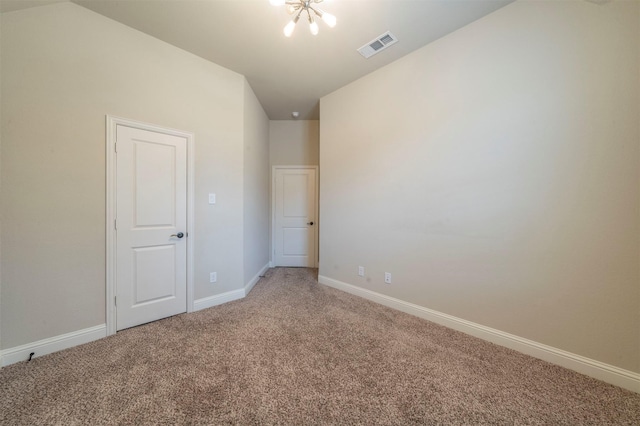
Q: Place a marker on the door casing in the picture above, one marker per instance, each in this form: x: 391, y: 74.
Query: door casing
x: 316, y: 260
x: 111, y: 187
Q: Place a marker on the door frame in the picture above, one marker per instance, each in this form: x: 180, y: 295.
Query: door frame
x: 111, y: 123
x: 273, y: 212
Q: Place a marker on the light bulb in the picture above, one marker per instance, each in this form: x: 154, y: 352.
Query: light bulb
x: 288, y: 30
x: 313, y: 27
x: 329, y: 19
x: 276, y: 2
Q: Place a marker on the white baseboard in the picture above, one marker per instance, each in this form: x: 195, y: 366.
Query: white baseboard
x: 218, y: 299
x: 590, y: 367
x: 69, y: 340
x: 271, y: 264
x: 52, y: 344
x: 249, y: 286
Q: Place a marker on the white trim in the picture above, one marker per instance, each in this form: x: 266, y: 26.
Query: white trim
x: 69, y: 340
x: 249, y: 286
x: 272, y: 263
x: 110, y: 262
x: 191, y: 210
x: 229, y: 296
x: 218, y: 299
x: 52, y: 344
x: 111, y: 123
x: 590, y: 367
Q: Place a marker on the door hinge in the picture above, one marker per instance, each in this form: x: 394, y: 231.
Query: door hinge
x: 115, y: 300
x: 115, y: 147
x: 115, y: 224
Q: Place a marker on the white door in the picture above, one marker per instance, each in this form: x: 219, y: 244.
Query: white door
x: 295, y: 221
x: 151, y: 224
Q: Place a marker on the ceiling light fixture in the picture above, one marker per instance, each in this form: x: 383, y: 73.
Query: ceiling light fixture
x: 298, y: 7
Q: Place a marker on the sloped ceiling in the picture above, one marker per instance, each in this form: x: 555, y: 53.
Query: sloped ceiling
x: 289, y: 74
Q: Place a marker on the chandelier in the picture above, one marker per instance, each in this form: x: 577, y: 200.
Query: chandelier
x: 299, y: 7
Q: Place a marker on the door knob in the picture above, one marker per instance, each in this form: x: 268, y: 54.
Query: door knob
x: 310, y: 223
x: 179, y: 235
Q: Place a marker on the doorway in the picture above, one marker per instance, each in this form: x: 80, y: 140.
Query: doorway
x: 149, y: 223
x: 295, y: 216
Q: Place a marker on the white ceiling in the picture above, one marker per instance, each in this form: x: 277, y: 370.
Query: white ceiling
x: 289, y: 74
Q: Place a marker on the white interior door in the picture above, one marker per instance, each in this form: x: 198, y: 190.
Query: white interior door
x: 151, y: 224
x: 295, y: 221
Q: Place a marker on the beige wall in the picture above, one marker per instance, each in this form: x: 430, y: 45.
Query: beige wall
x: 256, y: 186
x: 293, y: 142
x: 63, y: 69
x: 495, y: 174
x: 0, y: 184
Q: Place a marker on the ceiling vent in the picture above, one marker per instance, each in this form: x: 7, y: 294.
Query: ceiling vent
x: 378, y: 44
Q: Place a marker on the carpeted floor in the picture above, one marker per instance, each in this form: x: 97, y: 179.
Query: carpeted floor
x: 296, y: 352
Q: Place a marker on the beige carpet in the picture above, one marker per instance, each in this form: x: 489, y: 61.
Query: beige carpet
x: 296, y: 352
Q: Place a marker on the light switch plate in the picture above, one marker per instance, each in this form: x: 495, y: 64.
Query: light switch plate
x: 212, y: 198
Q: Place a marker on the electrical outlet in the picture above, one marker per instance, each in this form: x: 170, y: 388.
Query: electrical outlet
x: 387, y: 277
x: 213, y: 277
x: 361, y: 271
